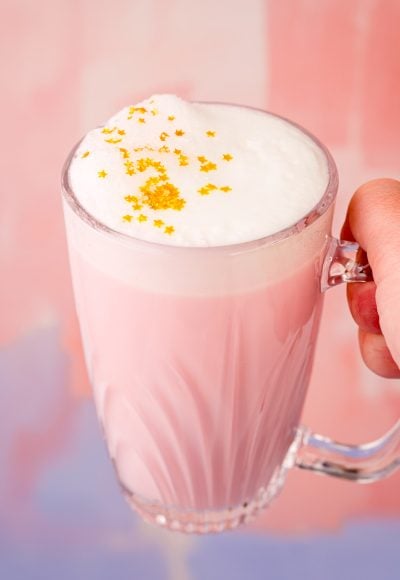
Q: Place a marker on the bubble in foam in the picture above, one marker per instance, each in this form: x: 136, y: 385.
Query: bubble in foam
x: 197, y: 174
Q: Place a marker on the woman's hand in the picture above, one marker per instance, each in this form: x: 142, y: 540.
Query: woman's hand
x: 373, y: 220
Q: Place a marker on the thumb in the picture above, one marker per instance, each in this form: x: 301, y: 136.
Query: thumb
x: 373, y: 220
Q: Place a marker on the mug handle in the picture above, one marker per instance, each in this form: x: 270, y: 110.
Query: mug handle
x: 347, y: 262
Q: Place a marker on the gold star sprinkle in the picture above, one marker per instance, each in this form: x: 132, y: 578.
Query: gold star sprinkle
x: 163, y: 136
x: 142, y: 218
x: 121, y: 132
x: 142, y: 120
x: 210, y: 133
x: 127, y: 218
x: 207, y: 189
x: 125, y: 152
x: 158, y: 223
x: 142, y: 165
x: 112, y: 140
x: 183, y: 160
x: 133, y: 110
x: 130, y: 170
x: 179, y: 132
x: 204, y: 191
x: 177, y: 151
x: 164, y: 149
x: 137, y: 206
x: 154, y: 111
x: 85, y: 154
x: 202, y: 159
x: 144, y: 162
x: 102, y: 173
x: 225, y: 188
x: 130, y: 198
x: 108, y: 130
x: 227, y: 157
x: 169, y: 230
x: 171, y: 118
x: 209, y: 166
x: 161, y: 195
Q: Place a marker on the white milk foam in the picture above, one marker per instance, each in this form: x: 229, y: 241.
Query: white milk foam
x: 196, y: 174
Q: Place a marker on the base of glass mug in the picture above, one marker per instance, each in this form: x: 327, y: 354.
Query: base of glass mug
x: 213, y: 521
x: 202, y: 521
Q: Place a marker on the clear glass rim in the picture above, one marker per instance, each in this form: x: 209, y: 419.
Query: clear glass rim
x: 318, y: 210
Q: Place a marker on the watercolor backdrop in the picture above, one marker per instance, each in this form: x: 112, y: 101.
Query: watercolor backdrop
x: 66, y: 65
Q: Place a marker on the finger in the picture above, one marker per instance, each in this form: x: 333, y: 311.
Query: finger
x: 362, y: 303
x: 373, y: 218
x: 376, y: 355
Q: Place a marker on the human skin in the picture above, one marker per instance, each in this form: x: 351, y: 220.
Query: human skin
x: 373, y: 220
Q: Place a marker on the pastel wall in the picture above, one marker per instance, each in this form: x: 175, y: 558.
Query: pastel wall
x: 331, y: 65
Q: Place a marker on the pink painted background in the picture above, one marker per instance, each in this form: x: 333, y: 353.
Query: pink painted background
x: 331, y: 65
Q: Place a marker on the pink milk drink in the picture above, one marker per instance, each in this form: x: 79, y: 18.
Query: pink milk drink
x: 196, y: 235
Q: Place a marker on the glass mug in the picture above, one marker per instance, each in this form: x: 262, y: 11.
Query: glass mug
x: 200, y: 359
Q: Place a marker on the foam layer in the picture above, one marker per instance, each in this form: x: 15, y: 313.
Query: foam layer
x: 192, y: 174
